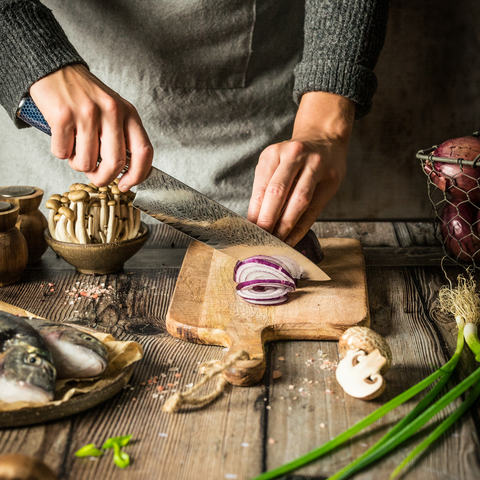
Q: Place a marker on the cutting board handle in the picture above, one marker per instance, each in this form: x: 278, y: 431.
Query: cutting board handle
x: 246, y: 372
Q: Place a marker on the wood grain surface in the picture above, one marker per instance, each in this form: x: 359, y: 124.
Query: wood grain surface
x: 206, y: 309
x: 247, y: 430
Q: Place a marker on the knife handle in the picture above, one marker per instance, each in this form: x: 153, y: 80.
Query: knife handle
x: 29, y: 113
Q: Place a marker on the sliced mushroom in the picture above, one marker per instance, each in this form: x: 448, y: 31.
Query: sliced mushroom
x: 366, y: 356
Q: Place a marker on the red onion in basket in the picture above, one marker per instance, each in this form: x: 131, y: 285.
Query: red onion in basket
x: 460, y: 182
x: 459, y: 230
x: 266, y: 280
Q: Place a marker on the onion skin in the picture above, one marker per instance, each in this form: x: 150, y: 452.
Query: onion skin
x: 460, y: 183
x: 310, y: 247
x: 459, y: 230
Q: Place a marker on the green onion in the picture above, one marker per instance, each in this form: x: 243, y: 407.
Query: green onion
x: 368, y: 420
x: 121, y: 441
x: 408, y: 431
x: 452, y: 363
x: 88, y: 451
x: 121, y: 459
x: 471, y: 337
x: 441, y: 429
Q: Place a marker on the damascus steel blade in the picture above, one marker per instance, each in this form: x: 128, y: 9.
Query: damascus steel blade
x: 176, y: 204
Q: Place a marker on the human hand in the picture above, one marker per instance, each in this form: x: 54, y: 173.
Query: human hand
x: 88, y: 120
x: 295, y: 179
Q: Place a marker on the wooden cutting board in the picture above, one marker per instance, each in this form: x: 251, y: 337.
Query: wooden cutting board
x: 205, y: 308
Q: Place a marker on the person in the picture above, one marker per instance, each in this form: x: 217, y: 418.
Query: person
x: 224, y: 75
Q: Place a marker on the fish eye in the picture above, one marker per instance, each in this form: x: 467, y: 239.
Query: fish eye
x: 33, y: 359
x: 87, y: 337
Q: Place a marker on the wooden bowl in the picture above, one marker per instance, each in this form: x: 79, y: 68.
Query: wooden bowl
x: 101, y: 258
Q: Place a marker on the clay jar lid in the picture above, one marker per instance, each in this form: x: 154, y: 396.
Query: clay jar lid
x: 8, y: 216
x: 4, y: 206
x: 27, y: 198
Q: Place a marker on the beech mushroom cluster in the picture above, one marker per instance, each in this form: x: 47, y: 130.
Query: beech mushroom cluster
x: 366, y: 357
x: 90, y: 214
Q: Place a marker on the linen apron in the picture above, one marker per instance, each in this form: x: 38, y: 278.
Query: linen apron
x: 211, y: 79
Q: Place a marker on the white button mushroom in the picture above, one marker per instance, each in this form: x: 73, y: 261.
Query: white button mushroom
x: 366, y: 356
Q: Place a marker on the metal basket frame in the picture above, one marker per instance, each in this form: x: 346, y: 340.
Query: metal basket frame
x: 426, y: 156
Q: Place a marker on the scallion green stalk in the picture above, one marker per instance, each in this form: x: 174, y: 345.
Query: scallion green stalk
x: 471, y: 337
x: 410, y: 429
x: 441, y: 429
x: 368, y: 420
x: 425, y: 402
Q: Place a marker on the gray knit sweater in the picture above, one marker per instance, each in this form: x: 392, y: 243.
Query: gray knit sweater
x: 343, y: 40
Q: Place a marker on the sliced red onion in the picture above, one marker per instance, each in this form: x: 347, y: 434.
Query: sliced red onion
x: 296, y: 271
x: 261, y: 267
x: 256, y: 301
x: 265, y: 280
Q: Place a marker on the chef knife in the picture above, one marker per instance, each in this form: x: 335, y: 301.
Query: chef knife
x: 172, y: 202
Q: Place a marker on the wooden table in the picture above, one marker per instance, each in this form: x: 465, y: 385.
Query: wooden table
x: 249, y: 430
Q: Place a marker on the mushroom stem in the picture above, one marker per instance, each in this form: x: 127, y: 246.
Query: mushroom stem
x: 69, y: 213
x: 136, y: 222
x: 61, y: 228
x: 53, y: 205
x: 103, y: 212
x: 80, y: 197
x: 95, y: 212
x: 111, y: 220
x: 131, y: 221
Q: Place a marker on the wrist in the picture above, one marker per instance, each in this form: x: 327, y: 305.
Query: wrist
x: 324, y: 115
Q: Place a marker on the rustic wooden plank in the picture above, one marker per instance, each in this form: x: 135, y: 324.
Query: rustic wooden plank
x: 422, y: 233
x: 138, y: 302
x: 202, y: 443
x: 405, y: 257
x: 369, y: 233
x: 403, y: 234
x: 146, y: 258
x: 397, y: 314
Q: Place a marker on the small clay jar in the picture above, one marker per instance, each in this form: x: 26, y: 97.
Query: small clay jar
x: 13, y: 246
x: 31, y: 221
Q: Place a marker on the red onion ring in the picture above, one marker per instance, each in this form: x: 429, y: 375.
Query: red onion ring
x: 264, y: 280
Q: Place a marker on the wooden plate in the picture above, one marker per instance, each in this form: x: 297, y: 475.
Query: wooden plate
x: 79, y: 403
x: 76, y: 404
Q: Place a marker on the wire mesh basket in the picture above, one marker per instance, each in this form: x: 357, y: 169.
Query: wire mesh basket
x: 454, y: 191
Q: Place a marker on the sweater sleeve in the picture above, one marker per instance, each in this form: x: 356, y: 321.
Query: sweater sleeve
x: 32, y: 45
x: 343, y: 40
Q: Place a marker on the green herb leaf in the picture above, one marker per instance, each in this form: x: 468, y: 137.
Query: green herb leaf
x: 121, y: 441
x: 121, y: 459
x: 89, y: 451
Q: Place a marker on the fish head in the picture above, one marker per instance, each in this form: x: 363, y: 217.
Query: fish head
x: 27, y: 374
x: 77, y: 354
